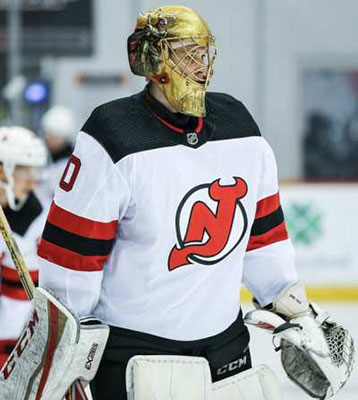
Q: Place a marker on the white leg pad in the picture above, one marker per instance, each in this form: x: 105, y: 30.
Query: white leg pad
x: 54, y: 350
x: 259, y: 383
x: 168, y: 377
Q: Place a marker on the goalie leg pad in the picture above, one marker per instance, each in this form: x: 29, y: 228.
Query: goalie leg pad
x: 162, y: 377
x: 54, y: 350
x: 259, y: 383
x: 183, y: 378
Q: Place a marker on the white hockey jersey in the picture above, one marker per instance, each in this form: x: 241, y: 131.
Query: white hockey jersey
x: 27, y: 225
x: 154, y: 227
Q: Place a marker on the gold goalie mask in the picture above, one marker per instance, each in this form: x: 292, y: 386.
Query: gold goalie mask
x: 173, y: 47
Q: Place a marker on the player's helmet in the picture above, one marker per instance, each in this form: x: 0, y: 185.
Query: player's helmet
x: 58, y: 121
x: 19, y: 146
x: 173, y: 46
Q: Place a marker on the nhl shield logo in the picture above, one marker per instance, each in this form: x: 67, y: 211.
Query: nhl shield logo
x: 192, y: 138
x: 211, y: 222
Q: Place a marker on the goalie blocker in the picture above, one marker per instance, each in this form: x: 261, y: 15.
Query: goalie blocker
x: 55, y: 350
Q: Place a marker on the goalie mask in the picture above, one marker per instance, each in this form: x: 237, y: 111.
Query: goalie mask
x: 19, y: 149
x: 173, y: 47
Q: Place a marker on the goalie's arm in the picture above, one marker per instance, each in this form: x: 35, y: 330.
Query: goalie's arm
x: 269, y: 260
x: 82, y: 225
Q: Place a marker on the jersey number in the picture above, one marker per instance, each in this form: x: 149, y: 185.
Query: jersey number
x: 70, y: 173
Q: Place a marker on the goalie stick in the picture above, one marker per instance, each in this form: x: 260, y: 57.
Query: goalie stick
x: 76, y: 391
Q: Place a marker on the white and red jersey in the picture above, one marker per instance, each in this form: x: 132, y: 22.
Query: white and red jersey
x: 154, y: 227
x: 27, y: 226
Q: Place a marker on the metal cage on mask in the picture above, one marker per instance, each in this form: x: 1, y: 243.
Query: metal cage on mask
x: 190, y: 58
x: 185, y: 73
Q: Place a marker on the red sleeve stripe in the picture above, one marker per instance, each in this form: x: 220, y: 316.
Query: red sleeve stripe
x: 81, y: 226
x: 277, y: 234
x: 70, y: 259
x: 11, y: 274
x: 13, y: 292
x: 267, y: 205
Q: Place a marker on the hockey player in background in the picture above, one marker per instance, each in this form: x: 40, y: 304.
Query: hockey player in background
x: 167, y: 206
x: 58, y: 129
x: 21, y: 154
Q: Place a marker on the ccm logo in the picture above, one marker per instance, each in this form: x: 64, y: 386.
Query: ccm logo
x: 91, y: 355
x: 237, y: 364
x: 21, y: 346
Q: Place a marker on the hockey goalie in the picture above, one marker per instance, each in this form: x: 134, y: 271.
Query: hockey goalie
x: 168, y: 204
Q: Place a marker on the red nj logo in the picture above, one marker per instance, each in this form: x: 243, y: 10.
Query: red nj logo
x: 210, y: 223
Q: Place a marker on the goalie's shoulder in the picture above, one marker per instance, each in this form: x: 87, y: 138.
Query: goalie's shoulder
x: 111, y: 109
x: 233, y: 120
x: 118, y: 126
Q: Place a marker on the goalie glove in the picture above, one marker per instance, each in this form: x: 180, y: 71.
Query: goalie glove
x: 316, y: 353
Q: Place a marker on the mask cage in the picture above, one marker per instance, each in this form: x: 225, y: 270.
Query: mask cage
x: 191, y: 58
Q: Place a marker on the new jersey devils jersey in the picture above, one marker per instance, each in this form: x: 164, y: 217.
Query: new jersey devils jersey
x: 154, y: 227
x: 27, y: 225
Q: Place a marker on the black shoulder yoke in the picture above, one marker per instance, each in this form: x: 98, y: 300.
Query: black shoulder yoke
x: 126, y: 126
x: 233, y: 120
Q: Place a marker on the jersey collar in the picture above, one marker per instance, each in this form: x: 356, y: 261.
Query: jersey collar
x: 177, y: 122
x: 187, y: 130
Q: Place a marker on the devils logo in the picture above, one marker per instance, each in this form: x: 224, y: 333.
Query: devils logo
x: 210, y: 223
